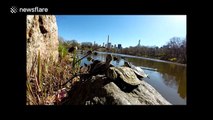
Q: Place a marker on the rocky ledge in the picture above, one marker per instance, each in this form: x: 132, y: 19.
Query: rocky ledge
x: 102, y: 91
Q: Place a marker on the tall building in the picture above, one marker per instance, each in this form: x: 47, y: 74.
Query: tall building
x: 119, y: 46
x: 108, y: 39
x: 139, y: 43
x: 108, y: 43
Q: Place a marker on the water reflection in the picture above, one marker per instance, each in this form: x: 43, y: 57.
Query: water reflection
x: 169, y: 79
x: 173, y: 75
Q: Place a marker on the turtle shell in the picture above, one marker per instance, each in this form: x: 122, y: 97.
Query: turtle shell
x: 126, y: 74
x: 138, y: 71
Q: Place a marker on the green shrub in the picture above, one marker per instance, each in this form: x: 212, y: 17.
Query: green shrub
x: 62, y: 50
x: 173, y: 59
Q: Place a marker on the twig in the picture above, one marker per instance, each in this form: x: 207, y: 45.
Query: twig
x: 73, y: 77
x: 81, y: 59
x: 77, y: 62
x: 85, y: 56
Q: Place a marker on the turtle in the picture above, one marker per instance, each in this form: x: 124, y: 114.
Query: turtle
x: 87, y: 68
x: 84, y: 69
x: 124, y: 77
x: 137, y: 70
x: 95, y: 53
x: 116, y: 58
x: 91, y: 66
x: 72, y: 49
x: 99, y: 67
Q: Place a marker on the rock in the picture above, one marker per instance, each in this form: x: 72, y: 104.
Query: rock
x: 101, y: 91
x: 42, y: 35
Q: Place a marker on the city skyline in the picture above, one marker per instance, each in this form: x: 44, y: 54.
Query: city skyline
x: 151, y: 30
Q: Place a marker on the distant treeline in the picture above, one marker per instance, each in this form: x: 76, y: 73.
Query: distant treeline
x: 174, y: 50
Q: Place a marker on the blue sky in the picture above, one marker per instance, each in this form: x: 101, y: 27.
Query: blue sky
x: 152, y: 30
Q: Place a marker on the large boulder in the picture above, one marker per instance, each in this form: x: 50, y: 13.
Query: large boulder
x: 42, y: 35
x: 100, y: 90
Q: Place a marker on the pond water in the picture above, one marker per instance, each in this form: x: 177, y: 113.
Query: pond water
x: 169, y: 79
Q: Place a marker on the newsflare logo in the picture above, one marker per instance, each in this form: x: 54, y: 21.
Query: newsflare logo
x: 15, y: 9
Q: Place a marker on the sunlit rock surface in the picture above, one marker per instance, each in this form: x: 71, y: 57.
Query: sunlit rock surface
x: 100, y: 90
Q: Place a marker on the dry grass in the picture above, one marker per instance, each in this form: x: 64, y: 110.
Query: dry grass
x: 44, y: 83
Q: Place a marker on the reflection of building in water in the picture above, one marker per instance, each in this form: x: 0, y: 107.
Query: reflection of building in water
x: 170, y: 80
x: 173, y: 75
x: 182, y: 87
x: 173, y: 78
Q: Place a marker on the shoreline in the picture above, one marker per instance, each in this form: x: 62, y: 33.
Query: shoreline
x: 140, y: 57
